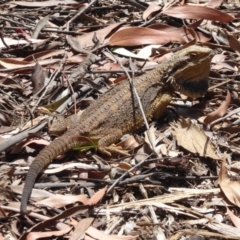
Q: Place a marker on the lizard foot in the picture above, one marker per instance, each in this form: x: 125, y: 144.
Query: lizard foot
x: 113, y: 149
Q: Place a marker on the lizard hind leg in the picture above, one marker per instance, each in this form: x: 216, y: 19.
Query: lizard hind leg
x: 106, y: 143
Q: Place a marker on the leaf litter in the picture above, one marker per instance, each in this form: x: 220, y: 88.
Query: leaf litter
x: 48, y: 46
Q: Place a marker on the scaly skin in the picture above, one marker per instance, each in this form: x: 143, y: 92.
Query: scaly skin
x: 117, y: 113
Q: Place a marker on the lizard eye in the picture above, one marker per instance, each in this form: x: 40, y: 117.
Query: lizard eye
x: 193, y: 54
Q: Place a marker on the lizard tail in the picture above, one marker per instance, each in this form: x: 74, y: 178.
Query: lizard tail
x: 57, y: 147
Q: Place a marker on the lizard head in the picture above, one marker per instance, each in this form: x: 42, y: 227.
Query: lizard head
x: 189, y: 70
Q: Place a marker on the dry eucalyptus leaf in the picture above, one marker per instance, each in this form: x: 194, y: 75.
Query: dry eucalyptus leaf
x: 229, y: 188
x: 191, y: 137
x: 235, y: 219
x: 128, y: 143
x: 218, y: 113
x: 38, y: 78
x: 59, y: 200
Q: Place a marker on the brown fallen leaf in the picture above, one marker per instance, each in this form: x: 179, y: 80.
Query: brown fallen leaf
x: 42, y: 4
x: 152, y: 8
x: 58, y: 200
x: 129, y: 142
x: 218, y: 58
x: 86, y: 40
x: 181, y: 31
x: 96, y: 197
x: 135, y: 36
x: 214, y: 3
x: 54, y: 223
x: 223, y: 65
x: 52, y: 53
x: 229, y: 188
x: 198, y: 12
x: 17, y: 42
x: 96, y: 234
x: 81, y: 228
x: 19, y: 147
x: 38, y: 235
x: 234, y: 218
x: 38, y: 78
x: 37, y: 194
x: 233, y: 42
x: 13, y: 64
x: 192, y: 138
x: 218, y: 113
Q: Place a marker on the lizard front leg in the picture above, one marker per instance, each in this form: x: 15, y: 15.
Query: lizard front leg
x: 161, y: 104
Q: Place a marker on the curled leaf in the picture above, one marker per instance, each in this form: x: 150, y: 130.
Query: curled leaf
x: 192, y: 138
x: 218, y: 113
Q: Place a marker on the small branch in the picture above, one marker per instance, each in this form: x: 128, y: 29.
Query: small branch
x: 84, y: 9
x: 139, y: 104
x: 52, y: 77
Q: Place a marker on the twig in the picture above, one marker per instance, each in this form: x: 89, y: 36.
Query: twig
x: 14, y: 22
x: 235, y: 111
x: 139, y: 5
x: 5, y: 144
x: 139, y: 103
x: 80, y: 92
x: 220, y: 84
x: 120, y: 178
x: 73, y: 96
x: 52, y: 77
x: 84, y: 9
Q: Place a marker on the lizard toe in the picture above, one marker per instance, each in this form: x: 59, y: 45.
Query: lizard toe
x: 113, y: 149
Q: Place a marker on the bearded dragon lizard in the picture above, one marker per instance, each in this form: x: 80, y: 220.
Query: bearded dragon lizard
x: 117, y: 112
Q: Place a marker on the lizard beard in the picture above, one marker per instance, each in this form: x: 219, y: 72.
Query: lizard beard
x: 194, y: 89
